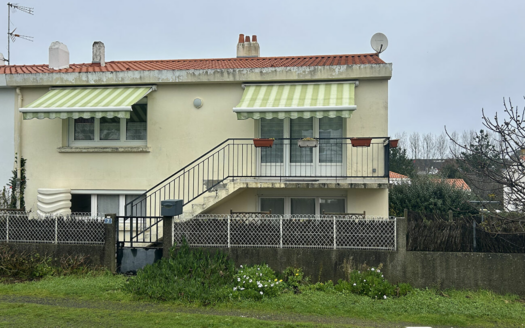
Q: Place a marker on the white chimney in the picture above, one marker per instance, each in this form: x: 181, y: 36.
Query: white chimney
x: 99, y: 53
x: 58, y: 56
x: 245, y: 48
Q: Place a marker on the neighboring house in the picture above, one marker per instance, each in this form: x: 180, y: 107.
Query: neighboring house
x: 428, y: 166
x: 396, y: 178
x: 100, y: 134
x: 7, y: 135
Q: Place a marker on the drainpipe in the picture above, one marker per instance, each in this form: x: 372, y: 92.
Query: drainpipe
x: 18, y: 140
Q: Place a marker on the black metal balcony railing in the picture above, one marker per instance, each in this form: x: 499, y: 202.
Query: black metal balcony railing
x: 332, y: 158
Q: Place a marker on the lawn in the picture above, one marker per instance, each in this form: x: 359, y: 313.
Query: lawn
x: 93, y: 300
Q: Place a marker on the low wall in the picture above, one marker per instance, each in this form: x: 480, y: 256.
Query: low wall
x: 94, y: 253
x: 497, y: 272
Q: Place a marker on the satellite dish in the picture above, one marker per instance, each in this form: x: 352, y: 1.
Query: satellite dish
x: 379, y: 42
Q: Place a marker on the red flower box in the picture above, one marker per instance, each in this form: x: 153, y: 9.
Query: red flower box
x: 393, y: 143
x: 265, y: 143
x: 361, y: 142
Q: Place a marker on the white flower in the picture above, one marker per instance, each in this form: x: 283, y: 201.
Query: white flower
x: 250, y: 280
x: 261, y: 293
x: 381, y: 276
x: 384, y: 296
x: 265, y: 285
x: 243, y: 282
x: 277, y: 283
x: 269, y: 281
x: 238, y: 279
x: 373, y: 269
x: 378, y: 270
x: 241, y: 265
x: 244, y: 276
x: 271, y: 285
x: 364, y: 280
x: 258, y: 268
x: 234, y: 288
x: 354, y: 283
x: 242, y: 288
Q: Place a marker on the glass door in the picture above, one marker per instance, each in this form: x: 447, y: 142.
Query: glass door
x: 272, y: 159
x: 331, y: 150
x: 301, y: 159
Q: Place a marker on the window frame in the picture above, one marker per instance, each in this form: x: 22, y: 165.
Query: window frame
x: 121, y: 193
x: 288, y: 203
x: 96, y: 142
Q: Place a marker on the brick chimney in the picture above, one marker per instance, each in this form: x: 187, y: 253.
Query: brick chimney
x: 58, y: 56
x: 247, y: 48
x: 99, y: 53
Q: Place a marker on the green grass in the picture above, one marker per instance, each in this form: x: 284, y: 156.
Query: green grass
x: 34, y: 315
x: 424, y: 307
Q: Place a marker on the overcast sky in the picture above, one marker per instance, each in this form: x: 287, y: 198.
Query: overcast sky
x: 450, y: 58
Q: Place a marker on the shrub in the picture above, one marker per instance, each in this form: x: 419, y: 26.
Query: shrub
x: 371, y: 282
x: 190, y: 275
x: 32, y: 266
x: 256, y: 282
x: 295, y: 278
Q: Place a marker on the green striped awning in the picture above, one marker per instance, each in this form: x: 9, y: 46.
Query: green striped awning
x: 295, y: 100
x: 86, y: 102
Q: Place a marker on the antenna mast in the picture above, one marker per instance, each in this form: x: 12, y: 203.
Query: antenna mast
x: 11, y: 36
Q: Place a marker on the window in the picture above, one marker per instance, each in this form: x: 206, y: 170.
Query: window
x: 303, y: 205
x: 113, y: 131
x: 104, y: 202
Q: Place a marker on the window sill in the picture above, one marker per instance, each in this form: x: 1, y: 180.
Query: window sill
x: 115, y: 149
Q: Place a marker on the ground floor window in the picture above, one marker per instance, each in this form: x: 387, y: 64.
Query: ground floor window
x: 104, y: 202
x: 302, y: 205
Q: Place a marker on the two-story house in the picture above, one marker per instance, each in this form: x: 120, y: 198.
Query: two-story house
x: 98, y: 135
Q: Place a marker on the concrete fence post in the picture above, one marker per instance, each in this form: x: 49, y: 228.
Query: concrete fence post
x: 110, y: 242
x: 405, y: 213
x: 401, y: 234
x: 450, y: 215
x: 167, y: 235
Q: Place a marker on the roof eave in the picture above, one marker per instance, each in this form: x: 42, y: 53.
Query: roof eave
x: 306, y: 73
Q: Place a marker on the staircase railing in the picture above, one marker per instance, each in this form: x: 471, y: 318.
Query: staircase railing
x: 330, y: 158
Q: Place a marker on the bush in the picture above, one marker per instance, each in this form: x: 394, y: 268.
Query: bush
x: 27, y: 266
x: 428, y: 194
x: 294, y: 278
x: 371, y: 282
x: 190, y: 275
x: 256, y: 282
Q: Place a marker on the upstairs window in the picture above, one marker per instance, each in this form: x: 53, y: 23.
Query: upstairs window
x: 113, y: 131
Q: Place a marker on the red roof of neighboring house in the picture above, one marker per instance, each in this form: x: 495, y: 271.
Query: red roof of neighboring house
x: 458, y: 183
x: 187, y: 64
x: 394, y: 175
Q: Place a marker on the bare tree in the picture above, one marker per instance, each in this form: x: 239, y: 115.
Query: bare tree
x: 428, y: 146
x: 414, y: 141
x: 441, y: 146
x: 497, y: 154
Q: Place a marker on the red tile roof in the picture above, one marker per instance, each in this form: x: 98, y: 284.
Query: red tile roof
x: 458, y: 183
x: 187, y: 64
x: 394, y: 175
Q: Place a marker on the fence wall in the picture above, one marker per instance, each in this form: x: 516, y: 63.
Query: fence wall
x: 287, y: 231
x: 61, y: 236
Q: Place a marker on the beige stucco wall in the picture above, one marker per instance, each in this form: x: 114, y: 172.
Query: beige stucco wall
x: 178, y: 133
x: 373, y: 201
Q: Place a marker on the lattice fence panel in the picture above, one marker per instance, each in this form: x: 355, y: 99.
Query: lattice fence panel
x: 205, y: 231
x: 287, y: 231
x: 77, y: 228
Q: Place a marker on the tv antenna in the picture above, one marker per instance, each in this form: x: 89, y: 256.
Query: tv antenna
x: 379, y: 42
x: 11, y: 35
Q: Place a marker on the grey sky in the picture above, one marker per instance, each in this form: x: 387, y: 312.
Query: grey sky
x: 450, y: 58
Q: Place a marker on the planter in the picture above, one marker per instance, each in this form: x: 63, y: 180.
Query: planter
x: 393, y: 143
x: 361, y: 142
x: 264, y: 143
x: 307, y: 143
